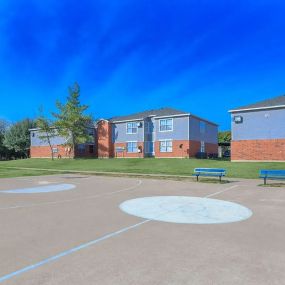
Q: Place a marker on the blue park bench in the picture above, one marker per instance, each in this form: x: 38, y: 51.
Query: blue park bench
x: 272, y: 175
x: 211, y: 172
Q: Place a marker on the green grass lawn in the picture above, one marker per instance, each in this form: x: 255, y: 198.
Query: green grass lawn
x: 142, y: 166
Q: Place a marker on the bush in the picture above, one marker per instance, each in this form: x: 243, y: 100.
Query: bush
x: 201, y: 155
x: 212, y: 155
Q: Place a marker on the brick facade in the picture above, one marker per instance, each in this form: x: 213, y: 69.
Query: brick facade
x: 258, y: 150
x: 176, y: 150
x: 45, y: 152
x: 128, y: 154
x: 189, y: 149
x: 104, y: 134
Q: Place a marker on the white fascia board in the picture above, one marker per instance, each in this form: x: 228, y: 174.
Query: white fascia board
x: 124, y: 121
x: 172, y: 116
x: 257, y: 109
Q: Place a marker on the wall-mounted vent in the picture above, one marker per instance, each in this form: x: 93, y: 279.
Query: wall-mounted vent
x: 238, y: 119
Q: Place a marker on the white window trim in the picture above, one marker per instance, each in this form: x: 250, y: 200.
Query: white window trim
x: 132, y: 142
x: 127, y: 128
x: 166, y: 140
x: 166, y: 131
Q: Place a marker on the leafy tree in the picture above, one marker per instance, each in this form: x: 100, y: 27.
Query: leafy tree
x: 17, y: 137
x: 47, y: 130
x: 3, y: 128
x: 71, y: 120
x: 225, y: 137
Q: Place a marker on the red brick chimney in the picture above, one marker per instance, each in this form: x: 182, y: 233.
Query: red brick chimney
x: 104, y: 139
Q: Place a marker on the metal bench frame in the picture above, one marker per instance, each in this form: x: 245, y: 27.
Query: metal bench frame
x: 272, y: 175
x: 209, y: 172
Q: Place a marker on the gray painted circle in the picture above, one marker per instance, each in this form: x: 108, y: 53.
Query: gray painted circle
x: 186, y: 210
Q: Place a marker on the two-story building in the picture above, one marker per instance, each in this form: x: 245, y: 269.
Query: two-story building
x: 60, y: 148
x: 258, y: 131
x: 158, y: 133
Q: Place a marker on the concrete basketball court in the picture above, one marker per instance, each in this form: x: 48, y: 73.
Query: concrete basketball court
x: 75, y: 229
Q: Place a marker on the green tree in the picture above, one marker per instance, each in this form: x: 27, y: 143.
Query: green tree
x: 17, y: 137
x: 225, y: 137
x: 3, y: 128
x: 71, y: 120
x: 47, y: 130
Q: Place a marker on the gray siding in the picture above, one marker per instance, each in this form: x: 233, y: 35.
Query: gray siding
x: 265, y: 124
x: 210, y: 135
x: 58, y: 140
x: 120, y: 133
x: 36, y: 141
x: 180, y: 129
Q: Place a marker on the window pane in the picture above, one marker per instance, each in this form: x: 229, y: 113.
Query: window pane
x: 132, y: 147
x: 131, y: 128
x: 166, y: 125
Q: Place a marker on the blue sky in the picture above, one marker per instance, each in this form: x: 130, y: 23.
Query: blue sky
x: 204, y: 57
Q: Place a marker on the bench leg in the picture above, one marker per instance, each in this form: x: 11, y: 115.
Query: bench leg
x: 197, y: 176
x: 220, y: 179
x: 264, y: 180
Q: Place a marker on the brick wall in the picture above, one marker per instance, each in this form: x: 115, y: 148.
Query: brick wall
x: 104, y: 134
x: 264, y: 150
x: 176, y: 150
x: 44, y: 152
x: 212, y: 148
x: 127, y: 154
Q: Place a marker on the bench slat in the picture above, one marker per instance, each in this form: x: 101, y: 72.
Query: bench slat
x: 272, y: 174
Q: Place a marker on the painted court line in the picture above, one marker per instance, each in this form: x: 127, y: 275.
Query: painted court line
x: 68, y: 252
x: 222, y: 191
x: 74, y: 199
x: 85, y: 245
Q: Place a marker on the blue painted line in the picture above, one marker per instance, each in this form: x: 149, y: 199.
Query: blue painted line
x: 68, y: 252
x: 41, y: 189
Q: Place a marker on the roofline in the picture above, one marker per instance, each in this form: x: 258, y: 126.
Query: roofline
x: 168, y: 116
x: 199, y: 118
x: 34, y: 129
x: 123, y: 121
x: 100, y: 120
x: 256, y: 109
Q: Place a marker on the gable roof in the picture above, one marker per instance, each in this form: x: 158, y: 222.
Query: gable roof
x: 156, y: 113
x: 272, y: 103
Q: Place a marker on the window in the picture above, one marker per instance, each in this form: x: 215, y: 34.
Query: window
x: 132, y: 147
x: 81, y: 148
x: 203, y: 149
x: 165, y: 146
x: 149, y: 147
x: 91, y: 148
x: 202, y: 127
x: 166, y: 125
x: 132, y: 128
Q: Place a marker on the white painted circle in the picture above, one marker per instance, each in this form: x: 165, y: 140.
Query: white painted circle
x: 186, y: 210
x: 41, y: 189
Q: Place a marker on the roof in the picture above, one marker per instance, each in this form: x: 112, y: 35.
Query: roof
x: 158, y: 113
x: 272, y: 103
x: 155, y: 113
